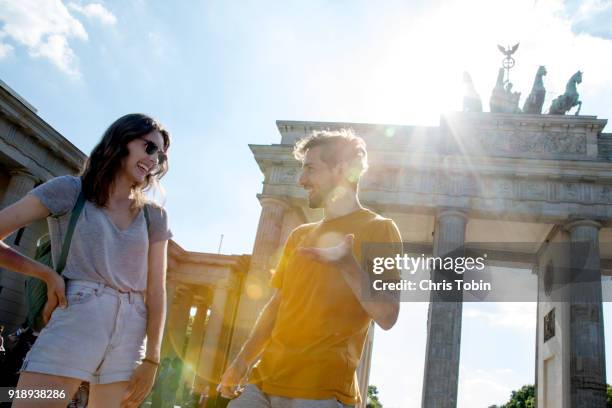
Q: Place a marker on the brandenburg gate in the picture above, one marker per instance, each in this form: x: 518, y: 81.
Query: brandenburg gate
x: 498, y: 178
x: 477, y: 177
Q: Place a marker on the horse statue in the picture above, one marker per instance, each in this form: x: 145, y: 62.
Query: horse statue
x: 569, y: 99
x: 471, y: 99
x: 535, y: 100
x: 503, y: 100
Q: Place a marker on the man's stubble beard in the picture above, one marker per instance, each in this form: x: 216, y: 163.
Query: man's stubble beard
x: 314, y: 202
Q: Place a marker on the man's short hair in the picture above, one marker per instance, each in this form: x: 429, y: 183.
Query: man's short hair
x: 337, y: 146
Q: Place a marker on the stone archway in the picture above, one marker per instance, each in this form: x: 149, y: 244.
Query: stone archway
x: 547, y: 177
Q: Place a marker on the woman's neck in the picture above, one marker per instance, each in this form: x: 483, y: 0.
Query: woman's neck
x: 121, y: 191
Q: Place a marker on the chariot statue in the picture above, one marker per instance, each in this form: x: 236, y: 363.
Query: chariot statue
x: 503, y: 100
x: 569, y: 99
x: 534, y: 102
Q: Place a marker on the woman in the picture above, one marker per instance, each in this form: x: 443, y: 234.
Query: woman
x: 115, y: 292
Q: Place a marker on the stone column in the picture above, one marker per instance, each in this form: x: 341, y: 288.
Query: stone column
x: 363, y: 370
x: 12, y: 303
x: 444, y: 320
x: 211, y: 353
x: 19, y: 185
x: 265, y: 251
x: 170, y: 289
x: 587, y: 353
x: 195, y: 340
x: 176, y: 321
x: 268, y: 234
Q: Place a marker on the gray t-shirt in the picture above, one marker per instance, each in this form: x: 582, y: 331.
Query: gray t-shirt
x: 99, y: 250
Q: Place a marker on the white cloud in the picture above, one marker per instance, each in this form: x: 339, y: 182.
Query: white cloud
x: 95, y: 11
x: 44, y: 29
x: 520, y: 316
x: 482, y: 388
x: 5, y: 49
x: 56, y: 48
x: 591, y: 8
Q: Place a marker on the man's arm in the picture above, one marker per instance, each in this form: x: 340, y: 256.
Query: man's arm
x: 251, y: 349
x: 384, y: 313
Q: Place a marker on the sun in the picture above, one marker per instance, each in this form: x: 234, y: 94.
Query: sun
x: 418, y: 74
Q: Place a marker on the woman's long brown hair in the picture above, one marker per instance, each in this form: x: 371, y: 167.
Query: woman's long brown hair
x: 106, y: 158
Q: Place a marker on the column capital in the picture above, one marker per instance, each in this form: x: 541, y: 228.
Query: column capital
x: 199, y: 300
x: 19, y: 184
x: 585, y: 222
x: 447, y: 212
x: 180, y: 289
x: 21, y: 172
x: 267, y: 200
x: 221, y: 286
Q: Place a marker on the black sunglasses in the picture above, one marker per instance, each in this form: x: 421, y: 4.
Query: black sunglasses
x: 151, y: 149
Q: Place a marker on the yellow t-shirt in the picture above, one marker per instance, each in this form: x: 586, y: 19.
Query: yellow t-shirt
x: 321, y: 327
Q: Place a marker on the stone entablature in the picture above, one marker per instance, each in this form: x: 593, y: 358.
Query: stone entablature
x: 565, y: 181
x: 199, y: 268
x: 526, y: 136
x: 477, y: 134
x: 31, y: 143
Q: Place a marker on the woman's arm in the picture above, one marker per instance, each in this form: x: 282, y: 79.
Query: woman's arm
x: 18, y: 215
x: 156, y: 298
x: 143, y: 378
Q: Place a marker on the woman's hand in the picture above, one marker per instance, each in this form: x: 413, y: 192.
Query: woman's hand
x: 56, y: 294
x: 140, y: 385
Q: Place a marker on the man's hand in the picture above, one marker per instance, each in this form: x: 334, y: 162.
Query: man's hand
x: 232, y: 378
x: 56, y: 294
x: 337, y: 255
x: 140, y: 385
x: 384, y: 313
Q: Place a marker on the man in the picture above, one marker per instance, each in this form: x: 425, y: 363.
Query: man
x: 310, y: 334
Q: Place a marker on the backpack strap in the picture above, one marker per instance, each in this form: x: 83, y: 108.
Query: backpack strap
x: 147, y: 218
x: 76, y: 212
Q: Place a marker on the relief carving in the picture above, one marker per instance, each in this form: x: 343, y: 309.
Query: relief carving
x: 570, y: 191
x: 533, y: 142
x: 382, y: 179
x: 503, y: 188
x: 288, y: 175
x: 604, y: 194
x: 533, y: 190
x: 410, y: 181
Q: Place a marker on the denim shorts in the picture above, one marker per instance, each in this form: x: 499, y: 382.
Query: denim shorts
x: 253, y: 397
x: 99, y: 337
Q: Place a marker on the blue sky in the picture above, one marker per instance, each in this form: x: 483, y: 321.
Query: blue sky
x: 219, y: 74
